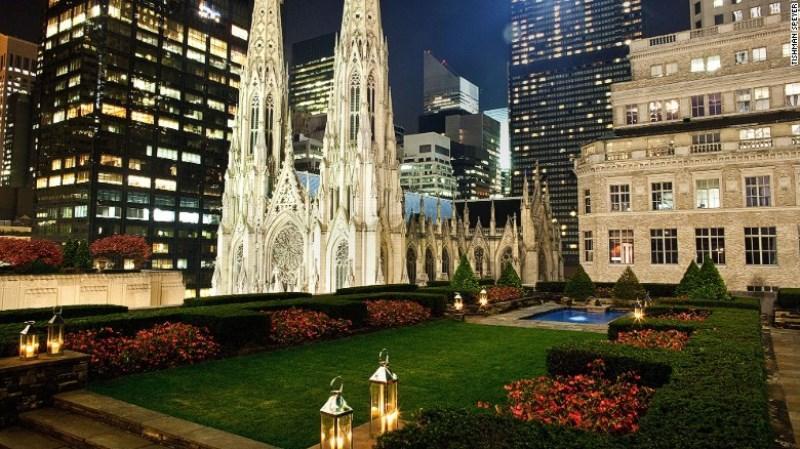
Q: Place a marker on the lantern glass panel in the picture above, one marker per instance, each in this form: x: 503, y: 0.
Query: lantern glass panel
x: 28, y: 346
x: 55, y: 339
x: 383, y: 407
x: 337, y: 431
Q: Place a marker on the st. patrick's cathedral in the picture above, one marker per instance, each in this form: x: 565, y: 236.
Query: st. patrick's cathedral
x: 352, y: 225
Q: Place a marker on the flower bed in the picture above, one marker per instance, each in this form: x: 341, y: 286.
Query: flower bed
x: 672, y: 339
x: 162, y: 346
x: 585, y: 401
x: 293, y: 326
x: 383, y: 313
x: 503, y: 293
x: 689, y: 315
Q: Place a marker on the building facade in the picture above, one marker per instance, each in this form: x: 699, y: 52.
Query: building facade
x: 705, y: 162
x: 284, y: 230
x: 425, y: 166
x: 565, y: 55
x: 311, y: 75
x: 136, y: 105
x: 709, y: 13
x: 17, y: 77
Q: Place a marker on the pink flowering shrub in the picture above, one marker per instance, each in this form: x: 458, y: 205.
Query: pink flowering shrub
x: 387, y: 313
x: 691, y: 315
x: 163, y: 346
x: 293, y: 326
x: 673, y: 340
x: 117, y: 248
x: 26, y: 255
x: 585, y: 401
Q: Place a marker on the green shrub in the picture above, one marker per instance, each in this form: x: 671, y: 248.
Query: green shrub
x: 83, y: 256
x: 736, y: 303
x: 464, y: 279
x: 438, y: 283
x: 710, y: 285
x: 377, y: 289
x: 789, y: 298
x: 580, y: 285
x: 628, y: 286
x: 242, y: 299
x: 689, y: 281
x: 45, y: 313
x: 572, y: 359
x: 551, y: 287
x: 509, y: 277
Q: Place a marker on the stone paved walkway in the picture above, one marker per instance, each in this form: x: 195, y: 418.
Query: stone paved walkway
x: 514, y: 319
x: 786, y: 345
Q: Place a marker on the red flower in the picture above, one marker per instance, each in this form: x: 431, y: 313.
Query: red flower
x: 691, y: 315
x: 499, y: 294
x: 672, y: 339
x: 388, y: 313
x: 293, y: 326
x: 589, y: 402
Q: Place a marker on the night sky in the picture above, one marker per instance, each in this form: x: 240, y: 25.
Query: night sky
x: 471, y: 35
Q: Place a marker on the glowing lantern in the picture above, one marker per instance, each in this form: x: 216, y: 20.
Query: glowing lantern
x: 55, y: 334
x: 384, y: 413
x: 458, y: 302
x: 28, y: 342
x: 336, y: 430
x: 483, y: 298
x: 638, y: 311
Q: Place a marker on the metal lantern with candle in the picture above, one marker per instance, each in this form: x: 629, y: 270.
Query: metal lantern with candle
x: 336, y: 430
x: 384, y: 414
x: 28, y: 342
x: 483, y: 298
x: 638, y: 311
x: 55, y: 333
x: 458, y: 302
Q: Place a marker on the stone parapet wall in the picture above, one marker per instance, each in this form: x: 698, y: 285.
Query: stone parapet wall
x: 134, y: 290
x: 29, y: 385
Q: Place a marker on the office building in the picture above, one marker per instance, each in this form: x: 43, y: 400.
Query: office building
x: 565, y: 55
x: 307, y: 153
x: 426, y: 167
x: 311, y: 75
x: 705, y: 162
x: 445, y: 93
x: 17, y: 76
x: 501, y: 116
x: 710, y: 13
x: 136, y: 104
x: 478, y: 131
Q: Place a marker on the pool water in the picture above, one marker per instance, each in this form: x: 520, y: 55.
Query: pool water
x: 577, y: 316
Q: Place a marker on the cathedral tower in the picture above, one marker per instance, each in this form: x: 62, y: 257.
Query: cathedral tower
x: 261, y: 142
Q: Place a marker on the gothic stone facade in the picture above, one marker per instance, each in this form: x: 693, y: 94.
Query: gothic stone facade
x: 287, y: 231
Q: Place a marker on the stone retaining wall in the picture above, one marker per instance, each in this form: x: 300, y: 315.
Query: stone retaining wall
x: 29, y: 385
x: 134, y: 290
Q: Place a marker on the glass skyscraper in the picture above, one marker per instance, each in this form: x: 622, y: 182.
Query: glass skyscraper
x: 565, y: 56
x: 311, y: 75
x: 135, y: 107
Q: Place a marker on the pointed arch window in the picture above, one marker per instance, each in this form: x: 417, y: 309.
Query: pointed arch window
x: 355, y: 106
x: 255, y: 120
x: 411, y: 265
x: 445, y: 263
x: 479, y: 262
x: 371, y: 101
x: 429, y: 265
x: 342, y: 265
x: 269, y: 125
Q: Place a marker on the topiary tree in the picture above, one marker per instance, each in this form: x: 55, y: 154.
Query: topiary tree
x: 70, y: 249
x: 628, y: 286
x: 690, y: 280
x: 711, y: 285
x: 83, y: 256
x: 509, y: 277
x: 580, y: 285
x: 464, y: 279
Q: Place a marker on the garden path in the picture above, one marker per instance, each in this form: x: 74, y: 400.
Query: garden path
x: 786, y: 345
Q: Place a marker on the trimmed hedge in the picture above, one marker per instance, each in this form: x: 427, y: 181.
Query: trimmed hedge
x: 241, y: 299
x: 655, y: 290
x: 737, y: 303
x: 789, y: 298
x: 459, y: 429
x: 377, y: 289
x: 438, y: 283
x: 44, y: 313
x: 711, y: 395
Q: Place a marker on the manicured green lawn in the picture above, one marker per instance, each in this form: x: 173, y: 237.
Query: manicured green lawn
x: 275, y: 397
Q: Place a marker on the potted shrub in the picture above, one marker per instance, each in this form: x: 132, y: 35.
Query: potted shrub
x: 119, y: 248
